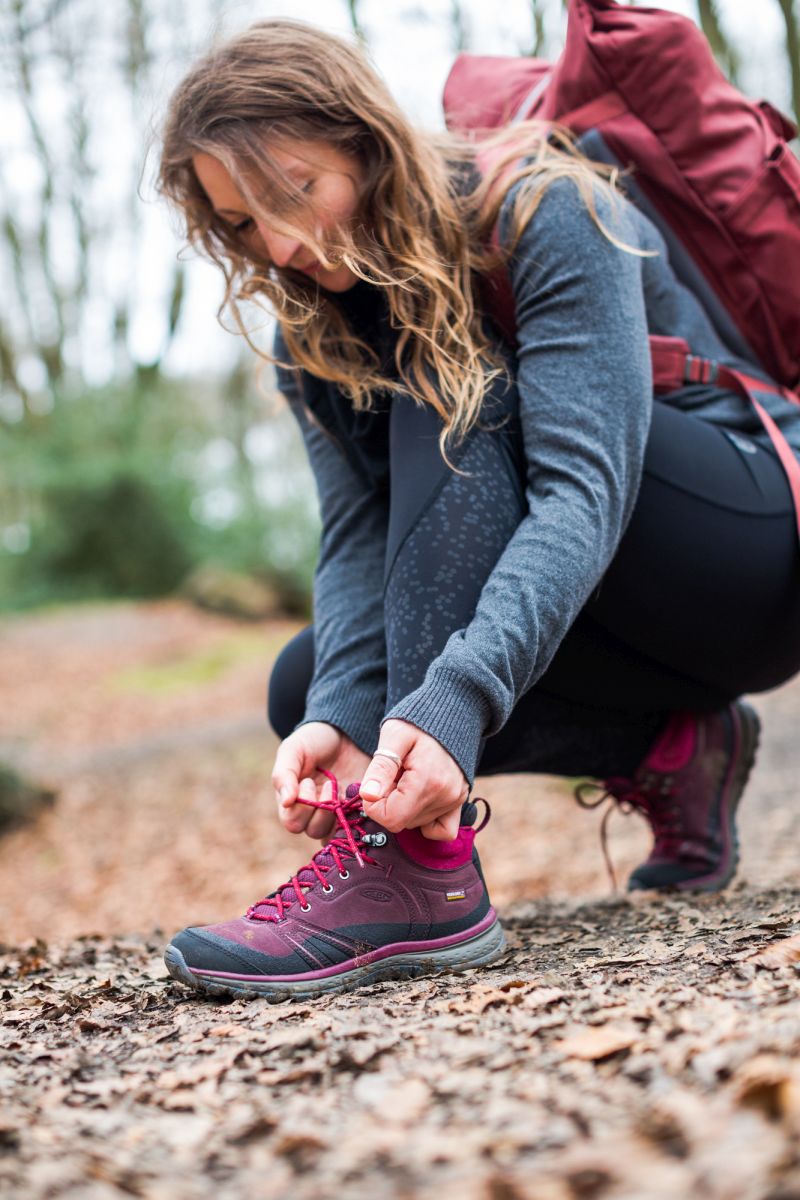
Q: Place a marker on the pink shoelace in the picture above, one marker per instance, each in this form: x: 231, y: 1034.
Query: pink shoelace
x: 647, y: 795
x: 349, y: 816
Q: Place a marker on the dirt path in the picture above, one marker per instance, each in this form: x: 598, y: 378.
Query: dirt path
x: 622, y: 1049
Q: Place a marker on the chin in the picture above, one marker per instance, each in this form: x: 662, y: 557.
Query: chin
x: 340, y: 280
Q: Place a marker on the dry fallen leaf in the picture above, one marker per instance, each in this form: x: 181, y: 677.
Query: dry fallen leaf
x: 398, y: 1102
x: 598, y: 1042
x: 778, y: 954
x: 542, y: 997
x: 301, y: 1147
x: 481, y: 997
x: 771, y: 1085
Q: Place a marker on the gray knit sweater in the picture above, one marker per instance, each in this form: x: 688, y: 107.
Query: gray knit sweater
x: 584, y: 309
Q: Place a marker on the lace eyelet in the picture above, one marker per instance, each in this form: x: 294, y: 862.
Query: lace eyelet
x: 305, y: 908
x: 344, y: 874
x: 327, y: 888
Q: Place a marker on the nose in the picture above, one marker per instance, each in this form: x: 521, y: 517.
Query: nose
x: 281, y: 249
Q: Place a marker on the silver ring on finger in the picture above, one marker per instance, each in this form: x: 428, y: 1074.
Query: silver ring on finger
x: 390, y: 754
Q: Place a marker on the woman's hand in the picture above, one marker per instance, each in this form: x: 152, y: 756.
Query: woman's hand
x: 426, y: 792
x: 297, y: 774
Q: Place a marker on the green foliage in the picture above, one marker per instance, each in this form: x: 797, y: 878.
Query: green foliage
x: 110, y: 490
x: 114, y: 536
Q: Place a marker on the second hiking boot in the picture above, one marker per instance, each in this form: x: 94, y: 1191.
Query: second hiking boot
x: 370, y: 905
x: 688, y: 787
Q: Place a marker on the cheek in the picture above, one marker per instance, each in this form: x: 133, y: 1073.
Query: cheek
x: 339, y: 204
x: 253, y: 245
x: 254, y: 240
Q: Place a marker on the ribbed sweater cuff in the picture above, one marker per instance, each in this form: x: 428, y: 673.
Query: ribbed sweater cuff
x: 451, y: 709
x: 358, y: 714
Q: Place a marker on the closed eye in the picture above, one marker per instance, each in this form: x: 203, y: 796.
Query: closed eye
x: 248, y: 222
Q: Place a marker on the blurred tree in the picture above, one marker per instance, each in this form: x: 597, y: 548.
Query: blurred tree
x: 539, y: 46
x: 460, y: 27
x: 789, y: 10
x: 726, y: 54
x: 106, y: 486
x: 358, y: 29
x: 72, y: 75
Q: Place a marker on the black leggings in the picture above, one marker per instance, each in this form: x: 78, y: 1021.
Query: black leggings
x: 700, y: 603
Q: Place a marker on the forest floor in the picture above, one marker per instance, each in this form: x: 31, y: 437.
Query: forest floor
x: 637, y: 1048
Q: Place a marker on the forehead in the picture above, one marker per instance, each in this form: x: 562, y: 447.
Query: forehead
x: 295, y: 157
x: 216, y: 182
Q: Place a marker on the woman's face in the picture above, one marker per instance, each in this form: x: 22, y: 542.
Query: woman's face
x: 330, y: 177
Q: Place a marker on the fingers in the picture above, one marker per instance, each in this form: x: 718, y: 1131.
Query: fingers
x: 321, y: 825
x: 295, y: 817
x: 381, y: 774
x: 292, y: 784
x: 302, y: 818
x: 286, y: 773
x: 444, y: 828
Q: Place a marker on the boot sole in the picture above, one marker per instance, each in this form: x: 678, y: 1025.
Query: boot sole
x: 747, y: 729
x: 479, y: 951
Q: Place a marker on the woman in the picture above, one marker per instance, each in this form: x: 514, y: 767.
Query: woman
x: 526, y: 564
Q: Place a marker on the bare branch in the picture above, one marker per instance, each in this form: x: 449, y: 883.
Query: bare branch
x: 53, y: 9
x: 358, y: 29
x: 538, y: 49
x: 9, y: 377
x: 461, y: 37
x: 789, y: 10
x: 24, y: 63
x: 726, y: 55
x: 176, y: 298
x: 13, y: 241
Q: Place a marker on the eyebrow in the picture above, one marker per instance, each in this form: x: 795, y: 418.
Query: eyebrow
x: 296, y: 169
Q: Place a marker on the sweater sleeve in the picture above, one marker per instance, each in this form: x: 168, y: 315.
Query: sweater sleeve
x: 585, y: 395
x: 348, y: 687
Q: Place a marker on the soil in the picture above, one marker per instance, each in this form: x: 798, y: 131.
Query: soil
x: 625, y: 1047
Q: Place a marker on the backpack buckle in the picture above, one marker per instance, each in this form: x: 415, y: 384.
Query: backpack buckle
x: 699, y: 370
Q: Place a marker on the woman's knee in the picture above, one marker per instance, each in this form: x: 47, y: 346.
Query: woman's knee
x: 289, y: 681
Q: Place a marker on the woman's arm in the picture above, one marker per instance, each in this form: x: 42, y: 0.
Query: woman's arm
x: 585, y: 385
x: 348, y: 688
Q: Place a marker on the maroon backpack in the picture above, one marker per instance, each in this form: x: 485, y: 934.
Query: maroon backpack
x: 711, y: 169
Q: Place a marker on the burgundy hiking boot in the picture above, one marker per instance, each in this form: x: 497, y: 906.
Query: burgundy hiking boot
x: 688, y: 787
x: 370, y: 905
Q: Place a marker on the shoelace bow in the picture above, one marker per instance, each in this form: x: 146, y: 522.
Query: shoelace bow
x: 349, y: 815
x: 649, y: 795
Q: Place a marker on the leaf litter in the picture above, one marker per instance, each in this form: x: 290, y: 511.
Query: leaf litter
x: 566, y: 1070
x: 625, y: 1048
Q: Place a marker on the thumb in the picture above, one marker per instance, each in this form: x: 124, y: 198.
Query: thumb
x: 380, y: 776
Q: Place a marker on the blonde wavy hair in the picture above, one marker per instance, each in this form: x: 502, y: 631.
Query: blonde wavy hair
x: 416, y: 234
